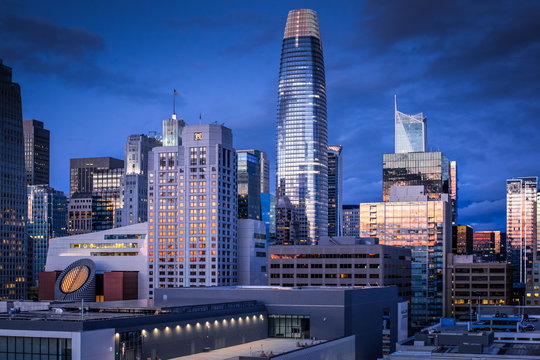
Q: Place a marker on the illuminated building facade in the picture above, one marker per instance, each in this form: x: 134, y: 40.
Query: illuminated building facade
x: 411, y: 220
x: 335, y: 191
x: 14, y: 271
x: 106, y: 197
x: 192, y: 210
x: 36, y: 152
x: 47, y: 214
x: 462, y: 239
x: 453, y: 189
x: 82, y: 170
x: 249, y: 185
x: 521, y: 223
x: 302, y: 139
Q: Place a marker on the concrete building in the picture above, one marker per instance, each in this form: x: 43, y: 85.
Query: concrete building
x: 123, y: 249
x: 472, y: 284
x: 79, y: 219
x: 192, y: 212
x: 351, y: 220
x: 349, y: 262
x: 135, y: 185
x: 411, y: 220
x: 370, y: 314
x: 47, y: 214
x: 252, y: 252
x: 335, y: 191
x: 14, y: 244
x: 462, y: 239
x: 489, y: 245
x: 36, y: 152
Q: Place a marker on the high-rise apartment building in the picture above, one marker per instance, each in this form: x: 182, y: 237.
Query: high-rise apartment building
x: 302, y: 139
x: 411, y: 220
x: 135, y: 186
x: 36, y: 152
x: 521, y: 222
x: 82, y: 170
x: 14, y: 272
x: 249, y: 185
x: 462, y: 239
x: 410, y: 132
x: 47, y: 214
x: 335, y: 191
x: 351, y: 220
x: 192, y: 210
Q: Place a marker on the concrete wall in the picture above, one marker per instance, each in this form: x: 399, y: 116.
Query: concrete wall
x: 96, y: 345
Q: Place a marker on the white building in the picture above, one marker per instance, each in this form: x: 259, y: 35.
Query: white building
x: 121, y: 249
x: 252, y: 252
x: 192, y: 210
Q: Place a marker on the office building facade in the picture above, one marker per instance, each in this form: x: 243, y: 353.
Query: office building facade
x: 192, y: 212
x: 82, y: 170
x: 36, y: 152
x: 135, y: 185
x: 521, y: 222
x: 462, y: 239
x: 351, y: 220
x: 252, y: 252
x: 337, y: 264
x: 285, y: 222
x: 411, y: 220
x: 14, y: 272
x: 335, y: 191
x: 47, y: 214
x: 454, y: 190
x: 302, y: 135
x: 268, y: 216
x: 249, y: 185
x: 472, y: 284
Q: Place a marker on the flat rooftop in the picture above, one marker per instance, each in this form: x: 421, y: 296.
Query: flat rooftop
x: 275, y: 346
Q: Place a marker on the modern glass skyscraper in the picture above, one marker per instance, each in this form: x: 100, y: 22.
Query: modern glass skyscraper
x: 335, y: 191
x: 302, y: 139
x: 411, y: 132
x: 249, y: 185
x: 14, y: 271
x: 521, y: 225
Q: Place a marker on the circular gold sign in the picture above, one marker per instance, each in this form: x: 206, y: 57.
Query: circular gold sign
x: 74, y: 279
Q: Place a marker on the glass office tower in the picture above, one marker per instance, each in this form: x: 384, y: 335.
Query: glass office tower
x: 14, y: 270
x: 302, y: 139
x: 521, y: 227
x: 249, y: 185
x: 335, y: 191
x: 411, y: 132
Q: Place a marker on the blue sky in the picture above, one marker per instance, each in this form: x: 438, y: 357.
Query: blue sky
x: 96, y: 72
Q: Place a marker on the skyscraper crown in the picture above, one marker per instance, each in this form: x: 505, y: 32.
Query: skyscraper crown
x: 302, y: 22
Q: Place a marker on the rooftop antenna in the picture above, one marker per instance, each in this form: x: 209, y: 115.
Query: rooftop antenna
x: 175, y: 94
x: 395, y: 102
x: 200, y: 118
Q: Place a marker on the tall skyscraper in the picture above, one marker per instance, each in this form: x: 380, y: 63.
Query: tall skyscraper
x: 411, y: 220
x: 351, y: 220
x: 47, y: 214
x: 410, y: 132
x: 14, y: 273
x: 453, y: 189
x: 521, y: 222
x: 302, y: 139
x: 335, y: 191
x: 106, y: 197
x: 192, y: 210
x: 249, y: 185
x: 36, y: 152
x: 135, y: 186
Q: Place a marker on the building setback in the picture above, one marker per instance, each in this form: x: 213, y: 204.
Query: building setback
x: 192, y: 210
x: 36, y: 152
x: 302, y: 134
x: 14, y: 268
x: 341, y: 264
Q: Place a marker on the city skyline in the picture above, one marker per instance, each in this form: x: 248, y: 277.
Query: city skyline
x: 100, y: 76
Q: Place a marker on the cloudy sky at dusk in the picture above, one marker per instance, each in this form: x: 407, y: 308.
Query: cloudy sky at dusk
x: 95, y: 72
